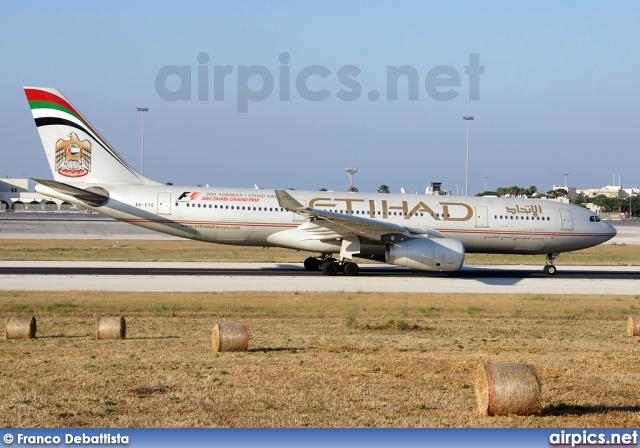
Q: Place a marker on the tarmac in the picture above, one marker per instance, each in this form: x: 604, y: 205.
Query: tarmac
x: 207, y: 277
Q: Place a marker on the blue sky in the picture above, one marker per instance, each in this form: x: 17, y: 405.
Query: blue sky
x: 558, y: 94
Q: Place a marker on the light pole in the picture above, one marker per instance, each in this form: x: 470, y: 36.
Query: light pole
x: 486, y: 183
x: 351, y: 171
x: 566, y: 183
x: 467, y: 118
x: 142, y: 110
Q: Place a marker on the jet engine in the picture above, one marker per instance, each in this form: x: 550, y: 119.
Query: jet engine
x: 427, y: 254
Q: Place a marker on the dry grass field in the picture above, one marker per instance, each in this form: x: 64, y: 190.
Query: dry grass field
x: 315, y: 359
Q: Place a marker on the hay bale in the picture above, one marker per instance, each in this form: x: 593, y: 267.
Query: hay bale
x: 508, y: 388
x: 111, y: 327
x: 20, y: 327
x: 230, y: 338
x: 633, y: 326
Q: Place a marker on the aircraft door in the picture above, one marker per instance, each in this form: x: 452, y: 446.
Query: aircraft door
x: 164, y: 203
x: 481, y: 217
x: 567, y: 219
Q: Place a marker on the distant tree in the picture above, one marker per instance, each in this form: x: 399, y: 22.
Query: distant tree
x: 579, y: 200
x: 634, y: 205
x: 383, y: 189
x: 169, y: 183
x: 515, y: 191
x: 600, y: 201
x: 616, y: 204
x: 323, y: 189
x: 557, y: 193
x: 488, y: 193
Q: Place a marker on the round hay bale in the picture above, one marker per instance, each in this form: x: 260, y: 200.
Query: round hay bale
x: 230, y: 338
x: 508, y: 388
x: 20, y: 327
x: 111, y: 327
x: 633, y: 326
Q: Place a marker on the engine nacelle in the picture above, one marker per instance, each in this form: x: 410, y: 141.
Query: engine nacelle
x: 427, y: 254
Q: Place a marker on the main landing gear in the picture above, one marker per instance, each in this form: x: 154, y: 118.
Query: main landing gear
x: 549, y: 267
x: 330, y: 266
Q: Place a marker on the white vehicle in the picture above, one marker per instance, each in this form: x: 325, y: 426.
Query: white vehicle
x: 430, y: 233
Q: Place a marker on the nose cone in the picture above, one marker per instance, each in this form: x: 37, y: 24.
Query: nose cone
x: 609, y: 230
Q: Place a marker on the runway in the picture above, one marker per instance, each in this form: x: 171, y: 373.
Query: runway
x: 219, y: 277
x: 202, y: 277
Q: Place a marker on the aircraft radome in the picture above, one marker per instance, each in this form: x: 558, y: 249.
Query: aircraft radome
x: 430, y: 232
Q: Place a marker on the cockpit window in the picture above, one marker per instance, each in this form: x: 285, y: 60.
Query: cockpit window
x: 594, y: 218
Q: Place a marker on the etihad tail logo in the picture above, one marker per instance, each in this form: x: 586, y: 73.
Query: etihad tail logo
x: 73, y: 157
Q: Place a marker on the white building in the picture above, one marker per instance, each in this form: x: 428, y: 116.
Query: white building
x: 15, y: 196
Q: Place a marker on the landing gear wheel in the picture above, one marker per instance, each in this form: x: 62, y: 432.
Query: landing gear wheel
x: 351, y: 269
x: 312, y: 264
x: 550, y: 269
x: 330, y: 268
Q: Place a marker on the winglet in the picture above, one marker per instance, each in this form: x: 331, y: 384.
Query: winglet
x: 285, y: 200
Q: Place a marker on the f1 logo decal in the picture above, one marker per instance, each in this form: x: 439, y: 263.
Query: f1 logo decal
x: 186, y: 193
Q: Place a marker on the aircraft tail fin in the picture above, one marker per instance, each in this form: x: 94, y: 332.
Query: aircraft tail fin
x: 76, y: 152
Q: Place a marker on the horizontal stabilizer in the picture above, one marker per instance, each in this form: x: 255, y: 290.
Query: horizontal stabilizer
x: 95, y: 196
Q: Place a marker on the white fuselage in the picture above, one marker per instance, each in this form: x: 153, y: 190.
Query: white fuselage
x: 254, y: 218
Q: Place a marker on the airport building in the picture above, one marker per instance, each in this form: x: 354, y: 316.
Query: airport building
x: 15, y: 196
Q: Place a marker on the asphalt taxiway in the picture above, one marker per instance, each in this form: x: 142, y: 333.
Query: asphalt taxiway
x: 199, y: 277
x: 209, y: 277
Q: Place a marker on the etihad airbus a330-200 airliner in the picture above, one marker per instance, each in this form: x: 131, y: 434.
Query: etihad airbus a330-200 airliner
x: 429, y: 232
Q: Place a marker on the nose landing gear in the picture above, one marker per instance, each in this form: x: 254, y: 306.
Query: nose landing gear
x: 549, y: 267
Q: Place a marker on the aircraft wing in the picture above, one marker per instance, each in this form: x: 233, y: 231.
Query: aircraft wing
x: 323, y: 224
